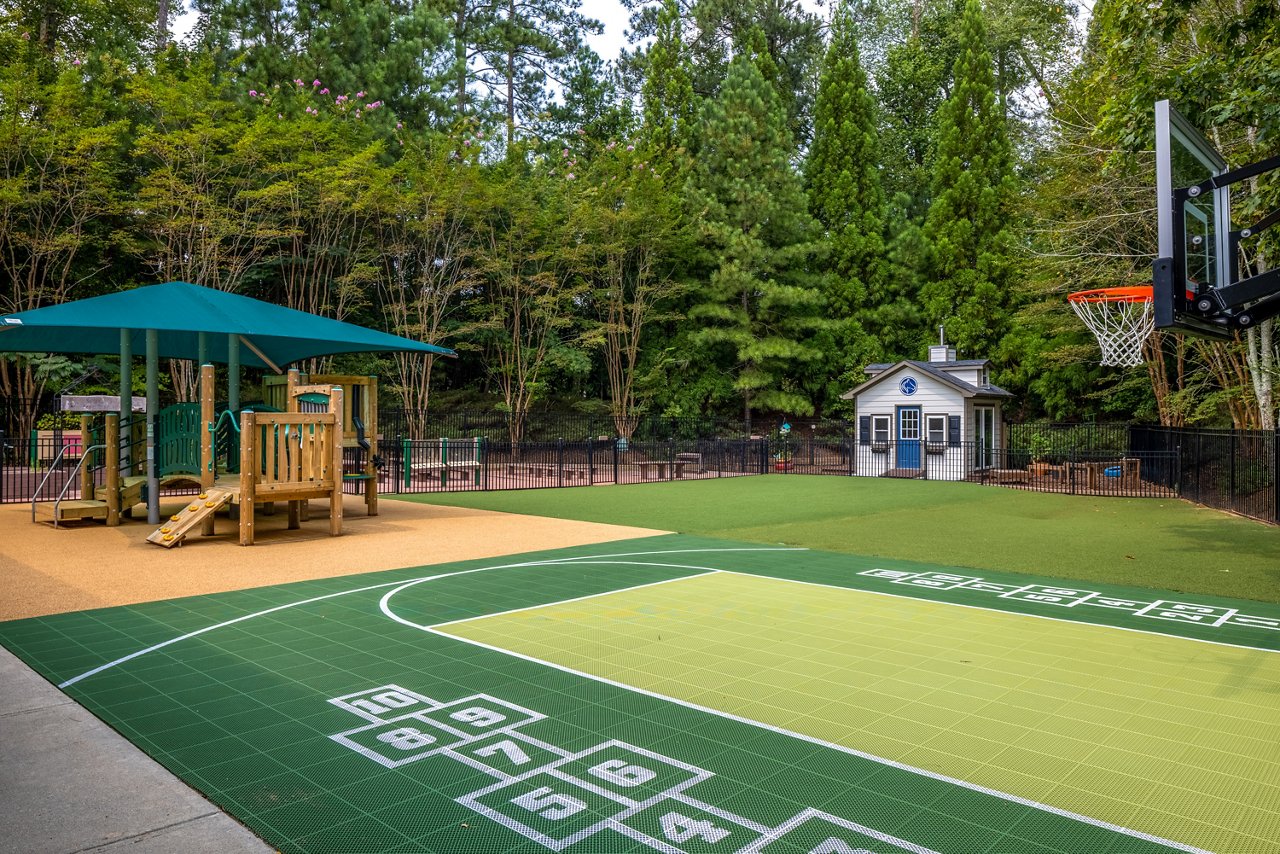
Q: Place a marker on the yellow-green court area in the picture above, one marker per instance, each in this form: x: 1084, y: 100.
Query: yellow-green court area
x: 1167, y: 735
x: 698, y: 696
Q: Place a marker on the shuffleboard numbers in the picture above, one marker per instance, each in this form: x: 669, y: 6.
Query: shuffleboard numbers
x: 558, y: 797
x: 1069, y: 597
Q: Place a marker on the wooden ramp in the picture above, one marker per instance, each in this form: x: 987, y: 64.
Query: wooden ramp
x: 201, y: 507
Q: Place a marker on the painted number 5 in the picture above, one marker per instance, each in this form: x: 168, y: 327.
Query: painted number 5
x: 548, y: 804
x: 618, y: 772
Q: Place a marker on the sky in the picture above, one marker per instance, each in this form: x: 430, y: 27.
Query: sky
x: 608, y: 44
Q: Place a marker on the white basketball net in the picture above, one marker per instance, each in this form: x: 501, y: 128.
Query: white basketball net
x: 1121, y: 327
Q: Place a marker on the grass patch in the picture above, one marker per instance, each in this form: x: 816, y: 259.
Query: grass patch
x: 1164, y: 544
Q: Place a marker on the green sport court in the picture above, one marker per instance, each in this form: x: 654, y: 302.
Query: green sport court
x: 685, y: 694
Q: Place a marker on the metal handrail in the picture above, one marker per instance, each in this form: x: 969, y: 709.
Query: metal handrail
x: 57, y: 502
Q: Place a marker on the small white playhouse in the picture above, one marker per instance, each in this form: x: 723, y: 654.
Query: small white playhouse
x: 941, y: 419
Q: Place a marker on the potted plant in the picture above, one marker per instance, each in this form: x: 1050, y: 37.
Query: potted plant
x: 782, y: 461
x: 1039, y: 447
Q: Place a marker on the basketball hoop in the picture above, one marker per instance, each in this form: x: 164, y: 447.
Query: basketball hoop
x: 1120, y: 318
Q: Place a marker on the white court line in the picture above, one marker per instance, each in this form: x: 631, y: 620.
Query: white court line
x: 546, y: 562
x: 893, y: 595
x: 384, y: 605
x: 1105, y: 825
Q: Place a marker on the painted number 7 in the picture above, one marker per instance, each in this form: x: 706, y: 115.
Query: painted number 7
x: 548, y: 804
x: 506, y: 747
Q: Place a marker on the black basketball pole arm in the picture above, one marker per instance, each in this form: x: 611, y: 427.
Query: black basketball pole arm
x: 1239, y: 304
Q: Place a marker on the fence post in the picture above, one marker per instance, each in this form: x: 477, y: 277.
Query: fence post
x: 591, y: 459
x: 671, y: 458
x: 1275, y: 476
x: 1231, y: 484
x: 615, y: 461
x: 405, y: 463
x: 560, y: 461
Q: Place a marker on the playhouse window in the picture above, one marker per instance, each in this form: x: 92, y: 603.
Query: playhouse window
x: 880, y: 431
x: 936, y: 431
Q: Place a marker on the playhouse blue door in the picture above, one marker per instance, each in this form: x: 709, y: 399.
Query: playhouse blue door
x: 908, y: 437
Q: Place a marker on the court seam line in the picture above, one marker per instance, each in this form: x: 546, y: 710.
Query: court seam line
x: 544, y: 562
x: 933, y: 775
x: 1001, y: 611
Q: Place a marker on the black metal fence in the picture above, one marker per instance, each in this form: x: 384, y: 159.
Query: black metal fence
x: 1230, y: 470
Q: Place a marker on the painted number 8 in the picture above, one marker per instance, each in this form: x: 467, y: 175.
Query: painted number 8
x: 406, y: 738
x: 618, y: 772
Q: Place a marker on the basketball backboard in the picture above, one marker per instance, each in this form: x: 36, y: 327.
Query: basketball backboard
x: 1197, y: 280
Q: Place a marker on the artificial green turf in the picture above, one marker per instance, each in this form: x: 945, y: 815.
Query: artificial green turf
x: 1162, y: 543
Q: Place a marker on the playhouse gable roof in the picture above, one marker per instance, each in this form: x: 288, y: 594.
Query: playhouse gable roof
x: 883, y: 372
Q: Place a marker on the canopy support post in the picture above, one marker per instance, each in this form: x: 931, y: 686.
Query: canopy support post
x: 153, y: 405
x: 233, y: 371
x: 126, y: 399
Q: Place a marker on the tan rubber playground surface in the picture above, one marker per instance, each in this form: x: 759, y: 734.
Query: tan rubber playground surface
x: 44, y: 570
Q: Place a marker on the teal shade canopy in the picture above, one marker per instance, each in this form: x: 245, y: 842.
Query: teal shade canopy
x: 179, y: 312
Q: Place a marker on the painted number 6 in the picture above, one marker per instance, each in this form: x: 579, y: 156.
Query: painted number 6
x: 618, y: 772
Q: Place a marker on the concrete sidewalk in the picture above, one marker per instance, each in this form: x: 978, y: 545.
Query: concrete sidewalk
x: 69, y: 784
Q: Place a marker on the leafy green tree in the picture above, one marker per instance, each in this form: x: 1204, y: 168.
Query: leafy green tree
x: 759, y: 310
x: 195, y: 218
x: 843, y: 181
x: 62, y: 181
x: 969, y: 229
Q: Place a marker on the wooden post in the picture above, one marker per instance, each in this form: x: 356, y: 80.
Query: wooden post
x: 207, y: 417
x: 371, y: 424
x: 248, y: 475
x: 112, y: 439
x: 291, y: 385
x: 335, y: 502
x: 86, y: 440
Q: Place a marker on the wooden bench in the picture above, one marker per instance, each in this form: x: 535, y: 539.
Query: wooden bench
x: 532, y: 469
x: 657, y: 469
x: 693, y: 460
x: 442, y: 470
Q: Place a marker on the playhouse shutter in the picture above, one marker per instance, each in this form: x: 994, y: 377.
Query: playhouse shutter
x: 864, y: 429
x: 953, y: 430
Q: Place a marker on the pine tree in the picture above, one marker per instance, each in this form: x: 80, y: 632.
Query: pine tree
x: 843, y: 182
x: 968, y: 231
x: 758, y: 311
x: 668, y: 102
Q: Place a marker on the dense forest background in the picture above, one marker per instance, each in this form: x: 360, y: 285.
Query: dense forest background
x: 735, y: 217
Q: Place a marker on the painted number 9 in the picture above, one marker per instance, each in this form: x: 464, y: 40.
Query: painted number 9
x: 618, y: 772
x: 479, y: 716
x: 548, y: 804
x: 406, y: 738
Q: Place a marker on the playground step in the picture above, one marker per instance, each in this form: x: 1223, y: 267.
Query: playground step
x: 65, y: 511
x: 202, y: 506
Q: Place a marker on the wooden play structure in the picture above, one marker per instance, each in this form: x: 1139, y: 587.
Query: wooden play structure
x: 243, y: 460
x: 289, y: 456
x: 296, y: 392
